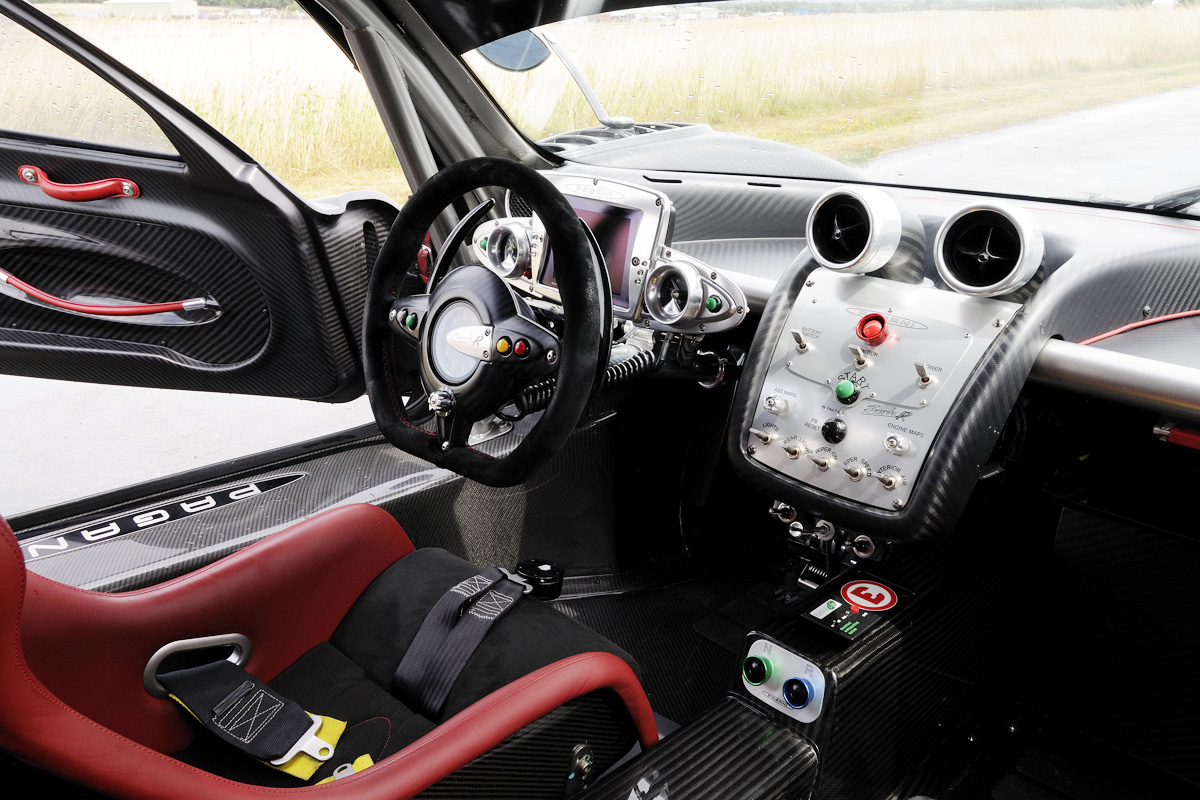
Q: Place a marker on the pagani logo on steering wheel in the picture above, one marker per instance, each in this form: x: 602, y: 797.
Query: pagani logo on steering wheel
x: 472, y: 340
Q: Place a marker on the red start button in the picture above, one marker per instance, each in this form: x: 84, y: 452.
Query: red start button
x: 521, y: 348
x: 872, y: 329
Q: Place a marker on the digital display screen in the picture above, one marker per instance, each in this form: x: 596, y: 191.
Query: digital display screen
x: 614, y: 228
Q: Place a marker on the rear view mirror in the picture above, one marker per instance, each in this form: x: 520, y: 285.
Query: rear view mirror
x: 516, y: 53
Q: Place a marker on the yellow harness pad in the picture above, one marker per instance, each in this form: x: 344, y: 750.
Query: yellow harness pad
x: 360, y: 763
x: 302, y: 765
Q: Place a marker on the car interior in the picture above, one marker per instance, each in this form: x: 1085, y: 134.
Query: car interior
x: 701, y: 466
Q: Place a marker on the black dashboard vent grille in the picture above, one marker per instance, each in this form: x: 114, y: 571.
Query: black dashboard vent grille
x: 982, y: 248
x: 841, y: 229
x: 517, y: 207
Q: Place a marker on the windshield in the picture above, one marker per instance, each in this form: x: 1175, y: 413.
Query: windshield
x: 1084, y: 101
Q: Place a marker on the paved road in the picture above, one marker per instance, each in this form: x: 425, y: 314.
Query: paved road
x: 1127, y: 151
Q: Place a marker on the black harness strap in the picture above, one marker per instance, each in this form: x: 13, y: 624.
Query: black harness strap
x: 450, y: 633
x: 239, y: 708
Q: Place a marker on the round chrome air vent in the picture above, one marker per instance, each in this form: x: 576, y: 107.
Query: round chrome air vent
x: 673, y: 293
x: 509, y: 249
x: 853, y: 229
x: 988, y: 249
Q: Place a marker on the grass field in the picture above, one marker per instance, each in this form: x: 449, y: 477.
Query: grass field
x: 852, y: 86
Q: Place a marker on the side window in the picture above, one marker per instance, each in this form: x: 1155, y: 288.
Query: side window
x: 48, y: 93
x: 262, y: 82
x: 271, y: 80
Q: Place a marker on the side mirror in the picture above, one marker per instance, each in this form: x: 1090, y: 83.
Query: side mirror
x: 516, y: 53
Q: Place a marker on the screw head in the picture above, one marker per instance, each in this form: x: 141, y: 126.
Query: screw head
x: 712, y: 275
x: 789, y: 363
x: 897, y: 504
x: 28, y: 175
x: 636, y: 261
x: 751, y: 449
x: 445, y: 446
x: 810, y: 282
x: 702, y: 328
x: 923, y: 402
x: 997, y: 323
x: 127, y: 188
x: 551, y: 356
x: 1146, y: 311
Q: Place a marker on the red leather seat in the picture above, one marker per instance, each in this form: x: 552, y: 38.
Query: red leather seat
x: 71, y: 696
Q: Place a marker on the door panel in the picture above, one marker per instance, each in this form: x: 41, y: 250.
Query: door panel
x: 287, y: 277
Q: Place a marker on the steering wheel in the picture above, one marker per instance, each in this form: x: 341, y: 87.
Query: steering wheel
x: 478, y: 341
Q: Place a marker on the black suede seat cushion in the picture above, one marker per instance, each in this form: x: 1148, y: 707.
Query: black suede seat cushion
x: 349, y: 677
x: 383, y: 622
x: 322, y: 681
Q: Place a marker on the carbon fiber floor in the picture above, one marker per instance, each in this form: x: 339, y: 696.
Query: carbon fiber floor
x: 1010, y: 754
x: 687, y: 637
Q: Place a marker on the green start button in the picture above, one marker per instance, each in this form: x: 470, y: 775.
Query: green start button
x: 713, y: 304
x: 844, y: 389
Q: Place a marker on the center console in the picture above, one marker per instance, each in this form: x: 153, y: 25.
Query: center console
x: 861, y: 379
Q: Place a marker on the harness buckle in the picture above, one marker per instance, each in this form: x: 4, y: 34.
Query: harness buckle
x: 310, y: 744
x: 526, y: 586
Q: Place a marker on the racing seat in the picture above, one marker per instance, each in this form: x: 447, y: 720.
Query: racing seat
x: 329, y: 605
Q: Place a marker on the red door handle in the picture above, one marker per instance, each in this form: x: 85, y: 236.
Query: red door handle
x: 93, y: 190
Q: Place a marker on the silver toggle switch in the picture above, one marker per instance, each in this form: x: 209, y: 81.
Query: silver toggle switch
x: 823, y: 462
x: 763, y: 436
x: 857, y: 473
x: 896, y: 445
x: 776, y: 405
x: 794, y: 450
x: 924, y: 376
x: 890, y: 480
x: 860, y: 358
x: 801, y: 345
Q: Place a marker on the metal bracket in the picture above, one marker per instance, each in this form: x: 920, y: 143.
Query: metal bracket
x: 240, y: 655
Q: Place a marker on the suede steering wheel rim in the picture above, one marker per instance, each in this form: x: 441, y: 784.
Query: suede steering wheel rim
x: 476, y: 294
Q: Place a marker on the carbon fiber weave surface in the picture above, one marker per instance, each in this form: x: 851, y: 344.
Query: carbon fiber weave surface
x: 894, y: 695
x: 564, y: 513
x: 533, y: 764
x: 1129, y: 630
x: 1173, y: 342
x: 731, y: 753
x: 684, y: 672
